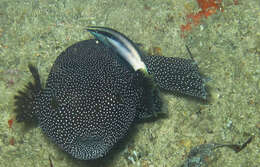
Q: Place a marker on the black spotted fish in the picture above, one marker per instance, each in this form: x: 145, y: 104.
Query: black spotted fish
x: 92, y: 97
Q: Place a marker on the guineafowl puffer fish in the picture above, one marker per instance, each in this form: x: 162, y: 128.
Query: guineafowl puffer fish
x: 92, y: 98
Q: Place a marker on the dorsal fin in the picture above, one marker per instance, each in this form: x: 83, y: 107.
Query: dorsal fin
x: 24, y: 99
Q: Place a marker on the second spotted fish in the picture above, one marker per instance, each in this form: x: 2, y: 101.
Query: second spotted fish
x: 98, y: 88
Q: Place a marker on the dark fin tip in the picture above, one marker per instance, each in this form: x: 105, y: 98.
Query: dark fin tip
x: 23, y: 101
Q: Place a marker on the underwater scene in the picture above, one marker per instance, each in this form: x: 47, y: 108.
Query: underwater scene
x: 140, y: 83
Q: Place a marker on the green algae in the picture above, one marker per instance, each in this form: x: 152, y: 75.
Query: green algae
x: 226, y: 46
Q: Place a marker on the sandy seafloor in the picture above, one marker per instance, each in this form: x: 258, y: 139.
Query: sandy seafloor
x: 226, y: 46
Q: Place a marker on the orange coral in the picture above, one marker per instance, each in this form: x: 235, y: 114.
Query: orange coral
x: 208, y: 7
x: 236, y: 2
x: 207, y: 4
x: 186, y: 27
x: 10, y: 123
x: 12, y: 141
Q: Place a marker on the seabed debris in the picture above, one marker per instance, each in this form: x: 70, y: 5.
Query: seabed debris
x: 201, y: 155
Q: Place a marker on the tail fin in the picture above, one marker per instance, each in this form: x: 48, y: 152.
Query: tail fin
x: 177, y: 75
x: 24, y: 99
